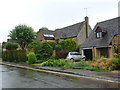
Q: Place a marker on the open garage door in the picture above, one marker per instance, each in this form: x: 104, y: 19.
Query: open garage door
x: 88, y: 54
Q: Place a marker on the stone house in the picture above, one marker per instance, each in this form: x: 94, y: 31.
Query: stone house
x: 79, y: 32
x: 103, y: 39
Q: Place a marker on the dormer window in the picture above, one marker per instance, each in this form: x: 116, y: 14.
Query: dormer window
x: 98, y: 34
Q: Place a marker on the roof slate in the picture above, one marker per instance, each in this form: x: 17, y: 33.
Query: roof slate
x: 70, y: 31
x: 112, y: 27
x: 47, y: 31
x: 66, y: 32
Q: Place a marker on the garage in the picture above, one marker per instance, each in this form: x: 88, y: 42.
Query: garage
x: 88, y: 54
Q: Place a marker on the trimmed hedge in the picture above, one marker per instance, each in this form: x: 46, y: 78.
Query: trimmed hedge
x: 15, y: 55
x: 32, y: 58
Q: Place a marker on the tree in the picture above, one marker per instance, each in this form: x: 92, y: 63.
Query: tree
x: 44, y: 28
x: 69, y: 44
x: 23, y: 34
x: 44, y: 52
x: 52, y: 44
x: 11, y: 46
x: 35, y: 45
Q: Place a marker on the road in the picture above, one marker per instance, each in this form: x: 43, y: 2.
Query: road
x: 22, y: 78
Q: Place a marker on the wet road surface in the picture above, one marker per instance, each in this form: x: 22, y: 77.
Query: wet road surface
x: 21, y: 78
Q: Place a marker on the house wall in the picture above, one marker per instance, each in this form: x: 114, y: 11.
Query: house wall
x: 40, y: 36
x: 116, y: 43
x: 49, y: 40
x: 82, y: 34
x: 96, y: 52
x: 110, y: 50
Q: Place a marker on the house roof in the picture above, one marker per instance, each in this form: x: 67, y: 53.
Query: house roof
x: 111, y: 27
x: 70, y: 31
x: 66, y: 32
x: 47, y: 31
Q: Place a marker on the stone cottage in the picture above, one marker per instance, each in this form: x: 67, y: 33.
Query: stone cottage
x: 79, y: 32
x: 103, y: 39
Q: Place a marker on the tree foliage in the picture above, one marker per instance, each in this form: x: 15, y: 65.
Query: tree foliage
x: 11, y: 46
x: 44, y: 52
x: 44, y: 28
x: 58, y: 48
x: 52, y: 44
x: 23, y: 34
x: 36, y: 44
x: 69, y: 44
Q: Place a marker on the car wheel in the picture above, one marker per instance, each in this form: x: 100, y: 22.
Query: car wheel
x: 72, y: 59
x: 83, y: 58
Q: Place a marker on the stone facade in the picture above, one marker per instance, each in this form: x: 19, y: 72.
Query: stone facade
x: 78, y: 32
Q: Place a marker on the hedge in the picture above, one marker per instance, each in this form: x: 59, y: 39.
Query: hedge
x: 15, y: 55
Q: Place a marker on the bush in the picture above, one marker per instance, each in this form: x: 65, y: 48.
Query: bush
x: 11, y: 46
x: 107, y: 64
x: 14, y: 55
x: 22, y: 56
x: 62, y: 54
x: 32, y: 58
x: 69, y: 44
x: 58, y: 48
x: 52, y: 44
x: 54, y: 63
x: 35, y: 45
x: 44, y: 52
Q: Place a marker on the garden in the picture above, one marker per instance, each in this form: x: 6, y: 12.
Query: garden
x: 34, y: 52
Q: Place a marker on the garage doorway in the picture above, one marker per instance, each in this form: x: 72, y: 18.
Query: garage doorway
x: 88, y: 54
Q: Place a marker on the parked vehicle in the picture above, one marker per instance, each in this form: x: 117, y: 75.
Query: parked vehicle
x: 74, y: 56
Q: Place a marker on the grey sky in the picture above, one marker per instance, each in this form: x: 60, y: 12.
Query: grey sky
x: 53, y: 14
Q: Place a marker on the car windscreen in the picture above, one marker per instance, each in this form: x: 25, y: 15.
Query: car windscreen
x: 73, y: 53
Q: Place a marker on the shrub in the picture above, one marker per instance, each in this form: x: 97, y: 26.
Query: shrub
x: 78, y: 47
x: 52, y: 44
x: 35, y: 45
x: 107, y: 63
x: 54, y: 62
x: 14, y: 55
x: 58, y: 48
x: 69, y: 44
x: 22, y: 56
x: 31, y: 58
x: 11, y: 46
x: 62, y: 54
x: 44, y: 52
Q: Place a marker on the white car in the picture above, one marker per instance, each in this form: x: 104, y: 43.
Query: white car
x: 73, y: 56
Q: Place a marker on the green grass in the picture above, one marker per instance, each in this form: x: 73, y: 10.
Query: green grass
x: 0, y: 59
x: 66, y: 65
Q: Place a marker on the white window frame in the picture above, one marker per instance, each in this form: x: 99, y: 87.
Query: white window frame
x: 99, y: 34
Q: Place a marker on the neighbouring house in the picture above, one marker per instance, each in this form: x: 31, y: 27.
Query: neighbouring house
x: 79, y: 32
x: 46, y: 35
x: 103, y: 40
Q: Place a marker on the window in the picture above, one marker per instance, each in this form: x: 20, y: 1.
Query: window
x: 98, y: 34
x: 48, y: 35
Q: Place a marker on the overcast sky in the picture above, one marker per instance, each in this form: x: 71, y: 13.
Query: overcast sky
x: 53, y: 14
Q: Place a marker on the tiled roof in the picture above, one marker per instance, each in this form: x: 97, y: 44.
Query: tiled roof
x: 70, y: 31
x: 66, y: 32
x: 112, y: 28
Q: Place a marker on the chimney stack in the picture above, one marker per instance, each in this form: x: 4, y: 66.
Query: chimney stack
x: 86, y: 25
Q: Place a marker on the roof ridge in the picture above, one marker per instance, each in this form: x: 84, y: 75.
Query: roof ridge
x: 108, y: 20
x: 69, y: 26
